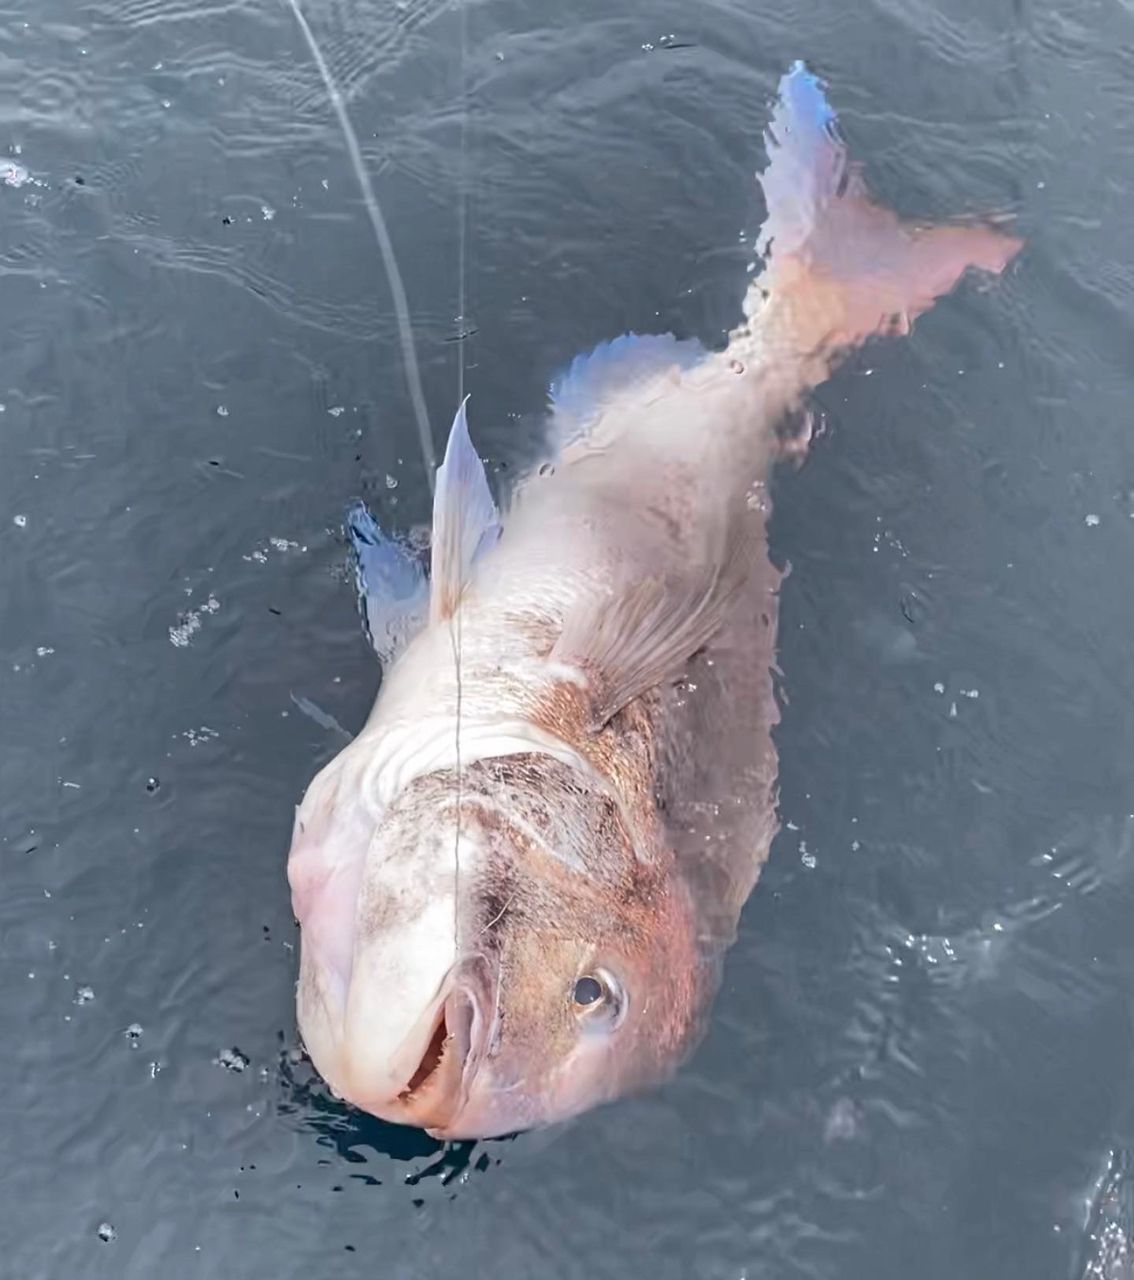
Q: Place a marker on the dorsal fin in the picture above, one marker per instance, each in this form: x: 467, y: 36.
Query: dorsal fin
x: 590, y: 381
x: 465, y: 520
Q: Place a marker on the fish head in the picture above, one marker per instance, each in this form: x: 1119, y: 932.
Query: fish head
x: 516, y: 958
x: 596, y: 996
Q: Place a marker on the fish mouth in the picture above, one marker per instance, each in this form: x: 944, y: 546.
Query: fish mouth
x: 438, y: 1088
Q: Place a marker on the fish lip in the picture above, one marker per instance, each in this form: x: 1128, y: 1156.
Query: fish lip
x: 437, y: 1091
x: 477, y: 979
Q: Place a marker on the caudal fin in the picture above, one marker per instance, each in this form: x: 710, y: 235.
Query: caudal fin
x: 840, y: 267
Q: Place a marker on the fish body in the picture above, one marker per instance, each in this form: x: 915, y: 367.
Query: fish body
x: 517, y: 884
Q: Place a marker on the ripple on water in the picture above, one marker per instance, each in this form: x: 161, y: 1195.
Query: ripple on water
x: 1108, y: 1247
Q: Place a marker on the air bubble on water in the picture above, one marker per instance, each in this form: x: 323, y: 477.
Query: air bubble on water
x: 12, y: 174
x: 806, y: 857
x: 222, y: 411
x: 336, y: 411
x: 133, y: 1034
x: 84, y: 995
x: 267, y: 212
x: 1091, y: 520
x: 190, y: 623
x: 391, y: 482
x: 195, y: 737
x: 842, y: 1122
x: 21, y: 522
x: 232, y: 1059
x: 938, y: 687
x: 106, y: 1233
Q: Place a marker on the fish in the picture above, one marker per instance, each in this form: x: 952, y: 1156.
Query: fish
x: 517, y: 884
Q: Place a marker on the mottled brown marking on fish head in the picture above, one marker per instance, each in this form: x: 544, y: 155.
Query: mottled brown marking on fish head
x: 599, y: 984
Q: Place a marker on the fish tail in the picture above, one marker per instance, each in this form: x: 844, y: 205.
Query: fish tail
x: 838, y: 266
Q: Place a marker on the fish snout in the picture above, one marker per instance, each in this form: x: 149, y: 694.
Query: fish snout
x: 438, y: 1090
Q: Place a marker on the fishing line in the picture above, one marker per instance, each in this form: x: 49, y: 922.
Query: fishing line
x: 462, y: 237
x: 385, y: 246
x: 462, y: 201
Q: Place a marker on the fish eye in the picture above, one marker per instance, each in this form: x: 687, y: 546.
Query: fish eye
x: 588, y: 990
x: 598, y: 991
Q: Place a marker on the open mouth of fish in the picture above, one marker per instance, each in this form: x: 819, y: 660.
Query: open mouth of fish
x: 454, y: 1043
x: 447, y: 1050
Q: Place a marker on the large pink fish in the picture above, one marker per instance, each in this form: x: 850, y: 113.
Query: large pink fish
x: 516, y: 885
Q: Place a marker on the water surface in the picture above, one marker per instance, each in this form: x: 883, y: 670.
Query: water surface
x: 921, y: 1060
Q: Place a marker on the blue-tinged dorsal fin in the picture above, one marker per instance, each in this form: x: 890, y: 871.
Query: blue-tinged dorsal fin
x: 465, y: 520
x: 590, y: 381
x: 393, y: 594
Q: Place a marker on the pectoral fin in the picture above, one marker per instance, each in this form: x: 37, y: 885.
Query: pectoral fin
x: 393, y: 595
x: 644, y: 634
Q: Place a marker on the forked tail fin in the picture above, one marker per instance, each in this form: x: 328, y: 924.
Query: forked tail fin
x: 840, y: 267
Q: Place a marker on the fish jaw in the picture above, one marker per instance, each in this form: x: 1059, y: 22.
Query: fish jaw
x: 437, y: 1094
x: 380, y: 987
x: 428, y: 1081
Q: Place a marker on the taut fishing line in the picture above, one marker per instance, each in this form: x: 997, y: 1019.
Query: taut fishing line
x: 385, y: 246
x: 462, y: 236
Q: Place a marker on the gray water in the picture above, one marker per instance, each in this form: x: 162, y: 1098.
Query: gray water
x: 921, y: 1059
